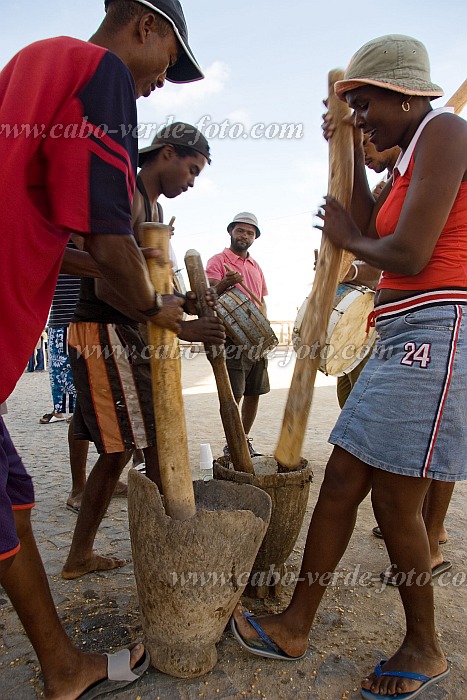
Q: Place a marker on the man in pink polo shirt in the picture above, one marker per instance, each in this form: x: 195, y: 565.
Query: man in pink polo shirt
x: 249, y: 379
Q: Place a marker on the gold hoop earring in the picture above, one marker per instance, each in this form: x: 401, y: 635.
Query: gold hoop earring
x: 406, y: 106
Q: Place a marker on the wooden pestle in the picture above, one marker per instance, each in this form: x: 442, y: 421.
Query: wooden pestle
x: 169, y: 411
x: 230, y: 415
x: 321, y: 300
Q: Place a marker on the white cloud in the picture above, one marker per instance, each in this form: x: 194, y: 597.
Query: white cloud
x: 173, y: 97
x: 310, y: 176
x: 240, y: 116
x: 206, y: 186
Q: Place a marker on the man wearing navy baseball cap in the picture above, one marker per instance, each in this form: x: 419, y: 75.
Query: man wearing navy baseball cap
x: 186, y: 69
x: 75, y: 172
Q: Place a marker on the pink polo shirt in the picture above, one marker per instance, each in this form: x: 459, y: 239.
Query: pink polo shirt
x: 252, y: 274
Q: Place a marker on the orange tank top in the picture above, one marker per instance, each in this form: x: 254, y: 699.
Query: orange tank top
x: 447, y: 267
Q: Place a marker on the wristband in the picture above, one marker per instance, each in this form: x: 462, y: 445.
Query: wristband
x: 158, y: 302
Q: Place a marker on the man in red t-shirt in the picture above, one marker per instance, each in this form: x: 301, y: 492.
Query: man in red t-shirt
x: 68, y: 149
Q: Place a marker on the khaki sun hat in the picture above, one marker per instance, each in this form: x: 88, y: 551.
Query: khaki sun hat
x: 245, y: 217
x: 394, y: 62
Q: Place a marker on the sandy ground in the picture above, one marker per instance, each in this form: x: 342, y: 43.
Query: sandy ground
x: 357, y: 624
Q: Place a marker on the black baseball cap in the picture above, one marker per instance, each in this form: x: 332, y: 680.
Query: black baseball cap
x: 177, y: 134
x: 187, y: 69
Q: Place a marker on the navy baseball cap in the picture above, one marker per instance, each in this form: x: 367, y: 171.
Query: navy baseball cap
x: 187, y: 69
x: 177, y: 134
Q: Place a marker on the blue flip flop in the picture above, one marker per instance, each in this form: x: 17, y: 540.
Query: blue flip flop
x: 264, y: 646
x: 425, y: 681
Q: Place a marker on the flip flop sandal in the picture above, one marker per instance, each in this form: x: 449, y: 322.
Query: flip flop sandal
x: 119, y: 674
x: 425, y: 682
x: 436, y: 571
x: 50, y: 418
x: 264, y: 646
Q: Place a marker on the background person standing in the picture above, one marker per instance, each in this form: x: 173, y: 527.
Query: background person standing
x: 249, y: 378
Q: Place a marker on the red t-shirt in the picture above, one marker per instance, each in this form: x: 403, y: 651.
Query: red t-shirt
x: 68, y: 159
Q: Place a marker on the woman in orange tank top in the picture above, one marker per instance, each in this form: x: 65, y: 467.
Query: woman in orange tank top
x: 404, y: 423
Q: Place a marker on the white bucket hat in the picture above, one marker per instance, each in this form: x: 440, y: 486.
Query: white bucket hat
x: 245, y: 217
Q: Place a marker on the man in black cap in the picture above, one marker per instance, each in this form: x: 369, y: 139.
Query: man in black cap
x: 72, y: 170
x: 170, y: 166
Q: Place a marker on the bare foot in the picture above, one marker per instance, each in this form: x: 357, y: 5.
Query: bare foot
x: 76, y: 496
x: 410, y: 659
x: 97, y: 562
x: 286, y: 639
x: 74, y: 500
x: 71, y: 680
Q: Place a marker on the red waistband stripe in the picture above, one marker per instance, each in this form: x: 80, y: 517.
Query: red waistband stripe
x: 438, y: 297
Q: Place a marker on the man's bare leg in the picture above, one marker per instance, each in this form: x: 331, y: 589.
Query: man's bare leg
x: 249, y: 410
x: 96, y: 498
x: 67, y: 672
x: 78, y: 450
x: 151, y: 459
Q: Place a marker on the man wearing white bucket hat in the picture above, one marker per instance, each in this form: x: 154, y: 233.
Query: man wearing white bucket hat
x: 235, y: 267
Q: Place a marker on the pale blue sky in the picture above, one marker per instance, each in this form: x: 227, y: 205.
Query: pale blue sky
x: 266, y: 62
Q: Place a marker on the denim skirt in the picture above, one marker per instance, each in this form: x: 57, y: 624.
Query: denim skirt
x: 407, y: 413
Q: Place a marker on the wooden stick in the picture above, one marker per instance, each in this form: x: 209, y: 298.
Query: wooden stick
x: 247, y: 289
x: 230, y: 415
x: 321, y: 299
x: 459, y: 99
x: 169, y: 411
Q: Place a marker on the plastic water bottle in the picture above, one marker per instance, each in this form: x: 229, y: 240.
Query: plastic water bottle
x: 205, y: 461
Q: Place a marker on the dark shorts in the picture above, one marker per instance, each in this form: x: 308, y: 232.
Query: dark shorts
x: 247, y: 378
x: 113, y: 385
x: 16, y: 492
